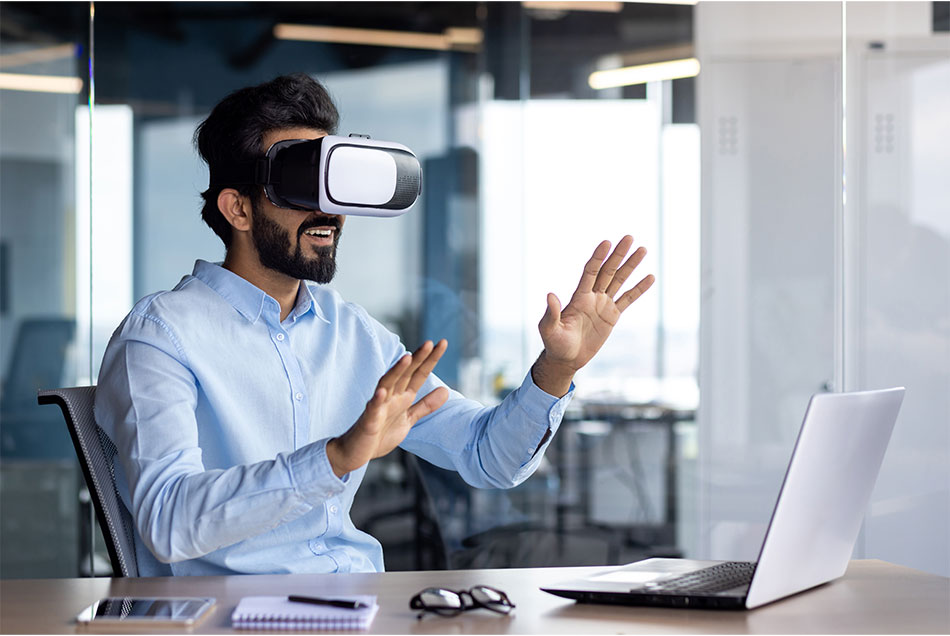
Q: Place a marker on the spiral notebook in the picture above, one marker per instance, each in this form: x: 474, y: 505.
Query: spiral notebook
x: 276, y: 612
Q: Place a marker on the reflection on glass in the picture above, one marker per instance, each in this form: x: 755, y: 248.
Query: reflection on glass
x: 769, y: 110
x: 527, y: 167
x: 41, y: 83
x: 900, y: 271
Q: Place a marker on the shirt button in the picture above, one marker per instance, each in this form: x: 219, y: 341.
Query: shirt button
x: 280, y: 337
x: 333, y: 510
x: 298, y: 396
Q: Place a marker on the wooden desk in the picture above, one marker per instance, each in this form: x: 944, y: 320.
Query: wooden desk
x: 874, y: 597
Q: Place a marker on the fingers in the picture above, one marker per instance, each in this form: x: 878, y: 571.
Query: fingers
x: 418, y: 357
x: 428, y: 404
x: 425, y: 368
x: 391, y: 377
x: 638, y: 290
x: 411, y: 371
x: 606, y: 274
x: 624, y: 272
x: 592, y: 268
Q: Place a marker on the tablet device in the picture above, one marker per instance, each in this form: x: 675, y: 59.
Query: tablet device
x: 128, y: 611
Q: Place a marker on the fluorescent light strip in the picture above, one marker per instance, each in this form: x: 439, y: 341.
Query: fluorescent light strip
x: 630, y: 75
x: 455, y: 37
x: 592, y: 5
x: 464, y: 36
x: 688, y: 2
x: 36, y: 56
x: 40, y: 83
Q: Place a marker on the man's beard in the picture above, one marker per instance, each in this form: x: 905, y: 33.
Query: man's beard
x: 273, y: 249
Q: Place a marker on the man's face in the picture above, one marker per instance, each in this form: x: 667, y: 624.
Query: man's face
x: 297, y: 243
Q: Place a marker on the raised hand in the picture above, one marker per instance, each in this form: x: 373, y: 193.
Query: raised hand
x: 573, y: 335
x: 390, y: 413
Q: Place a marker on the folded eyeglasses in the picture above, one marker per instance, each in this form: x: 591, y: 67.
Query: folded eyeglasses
x: 451, y: 603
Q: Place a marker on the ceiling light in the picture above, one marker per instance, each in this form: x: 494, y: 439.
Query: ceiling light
x: 593, y: 5
x: 455, y: 38
x: 35, y: 56
x: 40, y: 83
x: 691, y: 2
x: 464, y: 36
x: 630, y: 75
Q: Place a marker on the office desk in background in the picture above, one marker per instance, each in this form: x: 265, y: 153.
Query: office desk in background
x: 657, y: 537
x: 873, y: 597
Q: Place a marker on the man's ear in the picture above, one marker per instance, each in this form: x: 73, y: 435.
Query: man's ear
x: 236, y: 208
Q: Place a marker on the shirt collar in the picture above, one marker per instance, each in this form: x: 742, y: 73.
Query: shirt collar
x: 248, y: 299
x: 306, y: 301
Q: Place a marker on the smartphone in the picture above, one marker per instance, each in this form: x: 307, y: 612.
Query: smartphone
x: 128, y: 611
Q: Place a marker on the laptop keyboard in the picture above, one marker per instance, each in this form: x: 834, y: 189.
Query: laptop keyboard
x: 716, y: 578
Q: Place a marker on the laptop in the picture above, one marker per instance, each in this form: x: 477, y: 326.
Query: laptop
x: 814, y: 525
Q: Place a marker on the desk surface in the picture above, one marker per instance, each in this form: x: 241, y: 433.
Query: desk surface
x: 873, y: 597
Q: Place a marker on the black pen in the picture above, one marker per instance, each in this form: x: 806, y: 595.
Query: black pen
x: 327, y: 601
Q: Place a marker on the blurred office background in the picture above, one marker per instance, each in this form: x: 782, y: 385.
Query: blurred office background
x: 786, y: 164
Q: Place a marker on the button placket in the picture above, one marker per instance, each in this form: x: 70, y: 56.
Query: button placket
x: 334, y: 517
x: 299, y: 403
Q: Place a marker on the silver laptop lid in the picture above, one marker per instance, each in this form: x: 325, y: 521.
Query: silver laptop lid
x: 826, y: 491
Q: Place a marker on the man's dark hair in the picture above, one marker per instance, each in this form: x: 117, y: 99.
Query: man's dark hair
x: 235, y: 129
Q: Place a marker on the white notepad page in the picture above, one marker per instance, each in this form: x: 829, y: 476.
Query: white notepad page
x: 276, y: 612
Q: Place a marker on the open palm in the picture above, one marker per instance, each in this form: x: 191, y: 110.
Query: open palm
x: 574, y: 334
x: 391, y: 412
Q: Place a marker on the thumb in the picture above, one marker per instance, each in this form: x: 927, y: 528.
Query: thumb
x: 552, y: 314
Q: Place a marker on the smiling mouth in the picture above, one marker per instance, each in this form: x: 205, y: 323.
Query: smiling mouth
x: 320, y: 232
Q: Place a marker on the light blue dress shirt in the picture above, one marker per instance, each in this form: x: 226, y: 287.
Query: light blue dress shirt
x: 221, y: 413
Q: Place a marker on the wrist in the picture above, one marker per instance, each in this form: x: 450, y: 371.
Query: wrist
x: 335, y: 457
x: 552, y: 376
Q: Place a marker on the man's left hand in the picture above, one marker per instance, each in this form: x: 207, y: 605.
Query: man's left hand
x: 573, y: 335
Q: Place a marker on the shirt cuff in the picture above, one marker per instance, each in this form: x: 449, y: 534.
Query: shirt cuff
x: 312, y: 476
x: 544, y: 409
x: 541, y: 406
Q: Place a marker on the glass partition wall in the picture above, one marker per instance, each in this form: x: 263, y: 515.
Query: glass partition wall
x: 781, y: 161
x: 44, y: 81
x: 895, y: 258
x: 824, y: 255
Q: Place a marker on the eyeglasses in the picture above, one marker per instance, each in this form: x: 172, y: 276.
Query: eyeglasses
x: 448, y: 603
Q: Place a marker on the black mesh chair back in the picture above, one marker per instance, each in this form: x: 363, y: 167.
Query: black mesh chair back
x: 96, y: 453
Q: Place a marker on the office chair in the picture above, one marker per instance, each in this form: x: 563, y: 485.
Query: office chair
x: 458, y: 534
x: 96, y: 454
x: 37, y: 360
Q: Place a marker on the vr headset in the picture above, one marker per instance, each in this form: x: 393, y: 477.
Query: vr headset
x: 336, y: 175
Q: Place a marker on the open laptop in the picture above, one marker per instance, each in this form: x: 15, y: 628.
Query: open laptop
x: 811, y: 536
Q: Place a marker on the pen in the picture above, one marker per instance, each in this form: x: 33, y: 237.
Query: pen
x: 326, y: 601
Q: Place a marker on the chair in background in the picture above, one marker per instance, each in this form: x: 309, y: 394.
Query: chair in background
x: 96, y: 454
x: 36, y: 362
x: 461, y: 527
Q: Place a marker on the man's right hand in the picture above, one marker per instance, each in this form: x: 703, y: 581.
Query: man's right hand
x: 390, y: 413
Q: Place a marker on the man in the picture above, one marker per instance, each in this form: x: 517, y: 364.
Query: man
x: 246, y: 403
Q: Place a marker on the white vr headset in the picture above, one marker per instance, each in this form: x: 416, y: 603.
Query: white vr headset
x: 336, y: 175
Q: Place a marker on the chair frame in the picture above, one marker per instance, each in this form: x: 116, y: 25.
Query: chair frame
x: 123, y: 565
